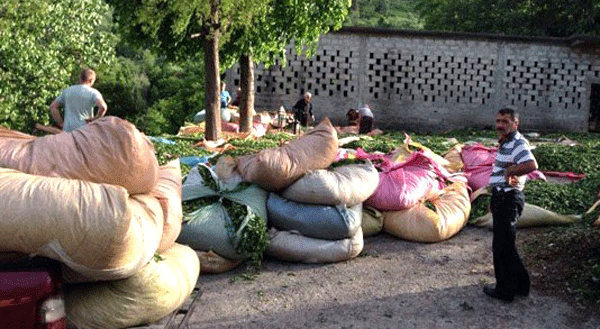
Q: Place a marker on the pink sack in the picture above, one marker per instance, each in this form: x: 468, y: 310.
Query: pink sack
x: 478, y: 162
x: 403, y: 185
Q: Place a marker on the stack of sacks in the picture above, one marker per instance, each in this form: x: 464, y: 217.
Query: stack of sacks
x: 318, y: 218
x: 450, y: 213
x: 85, y: 197
x: 210, y: 226
x: 94, y: 199
x: 478, y: 161
x: 532, y: 215
x: 153, y: 292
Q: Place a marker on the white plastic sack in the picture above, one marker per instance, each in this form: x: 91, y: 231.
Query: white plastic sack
x: 294, y: 247
x: 349, y: 185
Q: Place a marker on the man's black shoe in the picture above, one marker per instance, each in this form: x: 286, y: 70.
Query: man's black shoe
x: 492, y: 292
x: 523, y: 292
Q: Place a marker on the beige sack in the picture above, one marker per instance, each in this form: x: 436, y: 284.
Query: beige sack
x: 348, y: 185
x: 152, y: 293
x: 455, y: 163
x: 168, y: 193
x: 372, y: 221
x: 97, y: 230
x: 294, y: 247
x: 277, y: 168
x: 419, y: 223
x: 108, y: 150
x: 210, y: 262
x: 532, y: 216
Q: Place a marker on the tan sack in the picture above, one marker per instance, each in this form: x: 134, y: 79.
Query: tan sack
x: 455, y: 163
x: 277, y: 168
x: 532, y: 216
x: 97, y: 230
x: 108, y: 150
x: 152, y: 293
x: 210, y: 262
x: 372, y: 221
x: 168, y: 193
x: 348, y: 185
x: 422, y: 224
x: 291, y: 246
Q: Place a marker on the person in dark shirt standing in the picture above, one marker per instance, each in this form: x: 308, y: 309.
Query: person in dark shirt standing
x: 514, y: 160
x: 303, y: 110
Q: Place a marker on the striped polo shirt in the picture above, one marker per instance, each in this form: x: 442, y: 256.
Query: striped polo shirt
x: 514, y: 150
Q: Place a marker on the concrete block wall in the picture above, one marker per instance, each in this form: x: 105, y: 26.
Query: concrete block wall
x: 425, y: 81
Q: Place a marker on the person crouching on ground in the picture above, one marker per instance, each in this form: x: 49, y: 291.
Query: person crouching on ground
x: 514, y: 160
x: 366, y: 120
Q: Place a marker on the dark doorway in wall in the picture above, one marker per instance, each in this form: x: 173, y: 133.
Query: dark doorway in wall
x: 594, y: 123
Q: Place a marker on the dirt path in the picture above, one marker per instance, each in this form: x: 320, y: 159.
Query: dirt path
x: 392, y: 284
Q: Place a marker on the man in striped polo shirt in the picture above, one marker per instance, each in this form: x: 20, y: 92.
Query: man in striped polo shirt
x: 514, y: 160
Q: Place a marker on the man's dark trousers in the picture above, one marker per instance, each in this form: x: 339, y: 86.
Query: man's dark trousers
x: 511, y: 275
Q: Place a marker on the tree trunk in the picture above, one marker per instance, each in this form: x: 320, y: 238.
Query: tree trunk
x: 212, y: 82
x: 247, y: 88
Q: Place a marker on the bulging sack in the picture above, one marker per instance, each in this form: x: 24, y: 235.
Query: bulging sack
x: 277, y: 168
x: 108, y: 150
x: 150, y: 294
x: 210, y: 226
x: 348, y: 184
x: 314, y: 220
x: 402, y: 185
x: 295, y: 247
x: 168, y: 193
x: 98, y: 231
x: 422, y: 224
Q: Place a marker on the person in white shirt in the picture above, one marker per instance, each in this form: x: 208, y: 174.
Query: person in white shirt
x: 79, y: 102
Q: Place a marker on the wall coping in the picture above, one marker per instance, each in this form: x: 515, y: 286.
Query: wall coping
x: 574, y: 41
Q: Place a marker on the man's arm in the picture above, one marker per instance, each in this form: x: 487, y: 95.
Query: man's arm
x: 101, y: 108
x: 520, y: 169
x: 55, y: 112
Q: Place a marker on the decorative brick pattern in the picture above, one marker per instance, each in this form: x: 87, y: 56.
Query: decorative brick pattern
x: 427, y: 81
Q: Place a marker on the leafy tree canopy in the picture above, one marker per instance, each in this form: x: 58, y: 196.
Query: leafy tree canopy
x: 42, y: 43
x: 176, y: 28
x: 399, y: 14
x: 553, y: 18
x: 284, y: 22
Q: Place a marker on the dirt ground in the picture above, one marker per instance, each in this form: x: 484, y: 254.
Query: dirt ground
x: 392, y: 284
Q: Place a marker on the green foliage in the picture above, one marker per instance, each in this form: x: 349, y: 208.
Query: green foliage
x: 182, y: 147
x: 385, y: 143
x: 43, y: 43
x: 155, y: 94
x: 560, y: 18
x: 384, y: 13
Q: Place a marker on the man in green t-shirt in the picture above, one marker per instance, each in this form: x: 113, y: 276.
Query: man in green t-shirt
x: 78, y: 102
